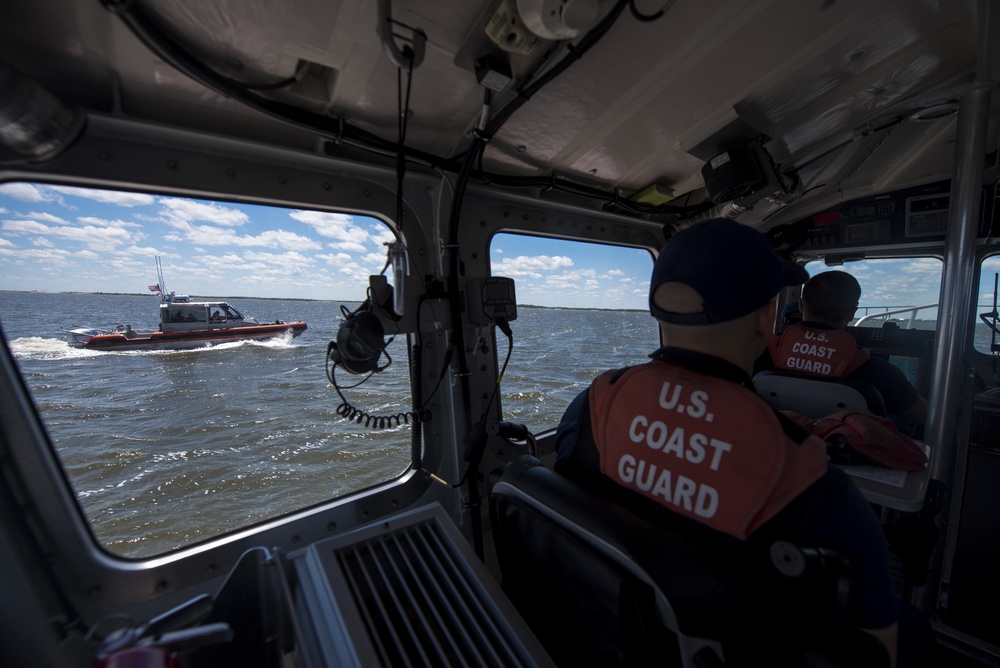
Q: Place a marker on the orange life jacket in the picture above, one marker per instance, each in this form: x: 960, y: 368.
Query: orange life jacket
x: 704, y: 447
x: 876, y: 438
x: 821, y: 352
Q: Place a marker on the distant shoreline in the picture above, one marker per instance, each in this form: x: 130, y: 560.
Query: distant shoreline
x: 301, y: 299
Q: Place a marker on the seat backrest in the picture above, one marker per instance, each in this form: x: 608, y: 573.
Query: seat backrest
x: 600, y: 585
x: 817, y: 396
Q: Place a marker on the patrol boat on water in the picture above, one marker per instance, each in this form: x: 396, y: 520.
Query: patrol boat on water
x: 184, y: 324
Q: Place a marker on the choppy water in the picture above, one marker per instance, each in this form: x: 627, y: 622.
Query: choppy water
x: 169, y: 447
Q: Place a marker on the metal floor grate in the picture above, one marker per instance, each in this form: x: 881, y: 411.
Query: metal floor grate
x: 409, y: 592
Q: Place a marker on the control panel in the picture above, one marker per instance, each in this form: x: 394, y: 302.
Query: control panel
x: 915, y: 215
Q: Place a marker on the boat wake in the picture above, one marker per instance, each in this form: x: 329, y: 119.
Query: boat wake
x: 39, y: 347
x: 42, y: 348
x: 286, y: 340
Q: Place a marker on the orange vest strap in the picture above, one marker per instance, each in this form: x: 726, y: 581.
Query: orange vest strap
x: 704, y: 447
x: 821, y: 352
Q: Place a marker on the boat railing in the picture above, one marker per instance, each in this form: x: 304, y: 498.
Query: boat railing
x: 912, y: 310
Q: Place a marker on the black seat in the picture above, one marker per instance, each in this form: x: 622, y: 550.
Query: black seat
x: 600, y: 585
x: 817, y: 396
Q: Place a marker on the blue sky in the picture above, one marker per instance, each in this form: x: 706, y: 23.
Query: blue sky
x: 56, y: 238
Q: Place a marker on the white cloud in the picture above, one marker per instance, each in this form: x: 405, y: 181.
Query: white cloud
x: 106, y: 196
x: 530, y: 266
x: 144, y: 251
x: 339, y: 259
x: 281, y: 239
x: 214, y: 236
x: 178, y: 210
x: 47, y: 217
x: 382, y: 235
x: 333, y: 225
x: 349, y: 246
x: 292, y: 260
x: 52, y: 257
x: 578, y: 274
x: 5, y: 243
x: 374, y: 260
x: 90, y: 220
x: 24, y: 191
x: 96, y: 238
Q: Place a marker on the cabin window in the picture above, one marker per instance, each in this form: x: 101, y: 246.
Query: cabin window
x: 984, y: 335
x: 896, y: 292
x: 900, y: 291
x: 582, y: 308
x: 165, y: 448
x: 191, y: 314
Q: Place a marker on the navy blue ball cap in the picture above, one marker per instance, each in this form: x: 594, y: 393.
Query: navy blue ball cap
x: 731, y: 266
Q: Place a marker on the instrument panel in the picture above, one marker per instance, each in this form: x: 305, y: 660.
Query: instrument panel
x: 911, y: 216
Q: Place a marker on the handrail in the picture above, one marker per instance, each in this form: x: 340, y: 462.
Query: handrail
x: 406, y: 57
x: 912, y: 310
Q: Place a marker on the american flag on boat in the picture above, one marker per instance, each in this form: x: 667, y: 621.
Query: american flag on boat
x: 154, y: 288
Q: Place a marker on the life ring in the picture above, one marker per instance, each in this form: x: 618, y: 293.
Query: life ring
x: 120, y: 328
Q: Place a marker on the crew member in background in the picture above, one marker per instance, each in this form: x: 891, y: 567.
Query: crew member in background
x: 687, y: 432
x: 819, y: 345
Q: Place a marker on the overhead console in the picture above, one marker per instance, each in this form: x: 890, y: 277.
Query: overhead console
x: 911, y: 217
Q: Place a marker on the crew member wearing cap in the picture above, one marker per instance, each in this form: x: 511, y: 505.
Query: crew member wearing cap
x: 820, y: 346
x: 686, y: 431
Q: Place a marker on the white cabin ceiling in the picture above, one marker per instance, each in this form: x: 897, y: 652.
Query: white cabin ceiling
x: 822, y: 78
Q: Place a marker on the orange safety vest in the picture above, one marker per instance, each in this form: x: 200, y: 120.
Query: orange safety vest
x: 704, y: 447
x: 821, y: 352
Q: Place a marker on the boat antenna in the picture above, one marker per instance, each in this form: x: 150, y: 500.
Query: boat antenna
x: 159, y: 279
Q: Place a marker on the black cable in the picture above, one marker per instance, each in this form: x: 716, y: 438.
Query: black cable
x: 330, y: 127
x: 554, y: 183
x: 472, y: 158
x: 403, y: 107
x: 510, y: 347
x: 474, y: 459
x: 177, y: 57
x: 575, y: 53
x: 416, y: 439
x: 346, y: 410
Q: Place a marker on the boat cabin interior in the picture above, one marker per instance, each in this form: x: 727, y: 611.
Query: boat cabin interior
x: 202, y: 312
x: 855, y: 135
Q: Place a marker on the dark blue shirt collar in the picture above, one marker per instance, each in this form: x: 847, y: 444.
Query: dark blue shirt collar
x: 816, y: 325
x: 703, y: 363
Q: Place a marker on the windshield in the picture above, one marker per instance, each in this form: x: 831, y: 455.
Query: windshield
x: 169, y: 444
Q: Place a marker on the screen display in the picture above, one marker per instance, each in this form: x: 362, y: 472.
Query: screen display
x: 929, y: 204
x: 908, y: 365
